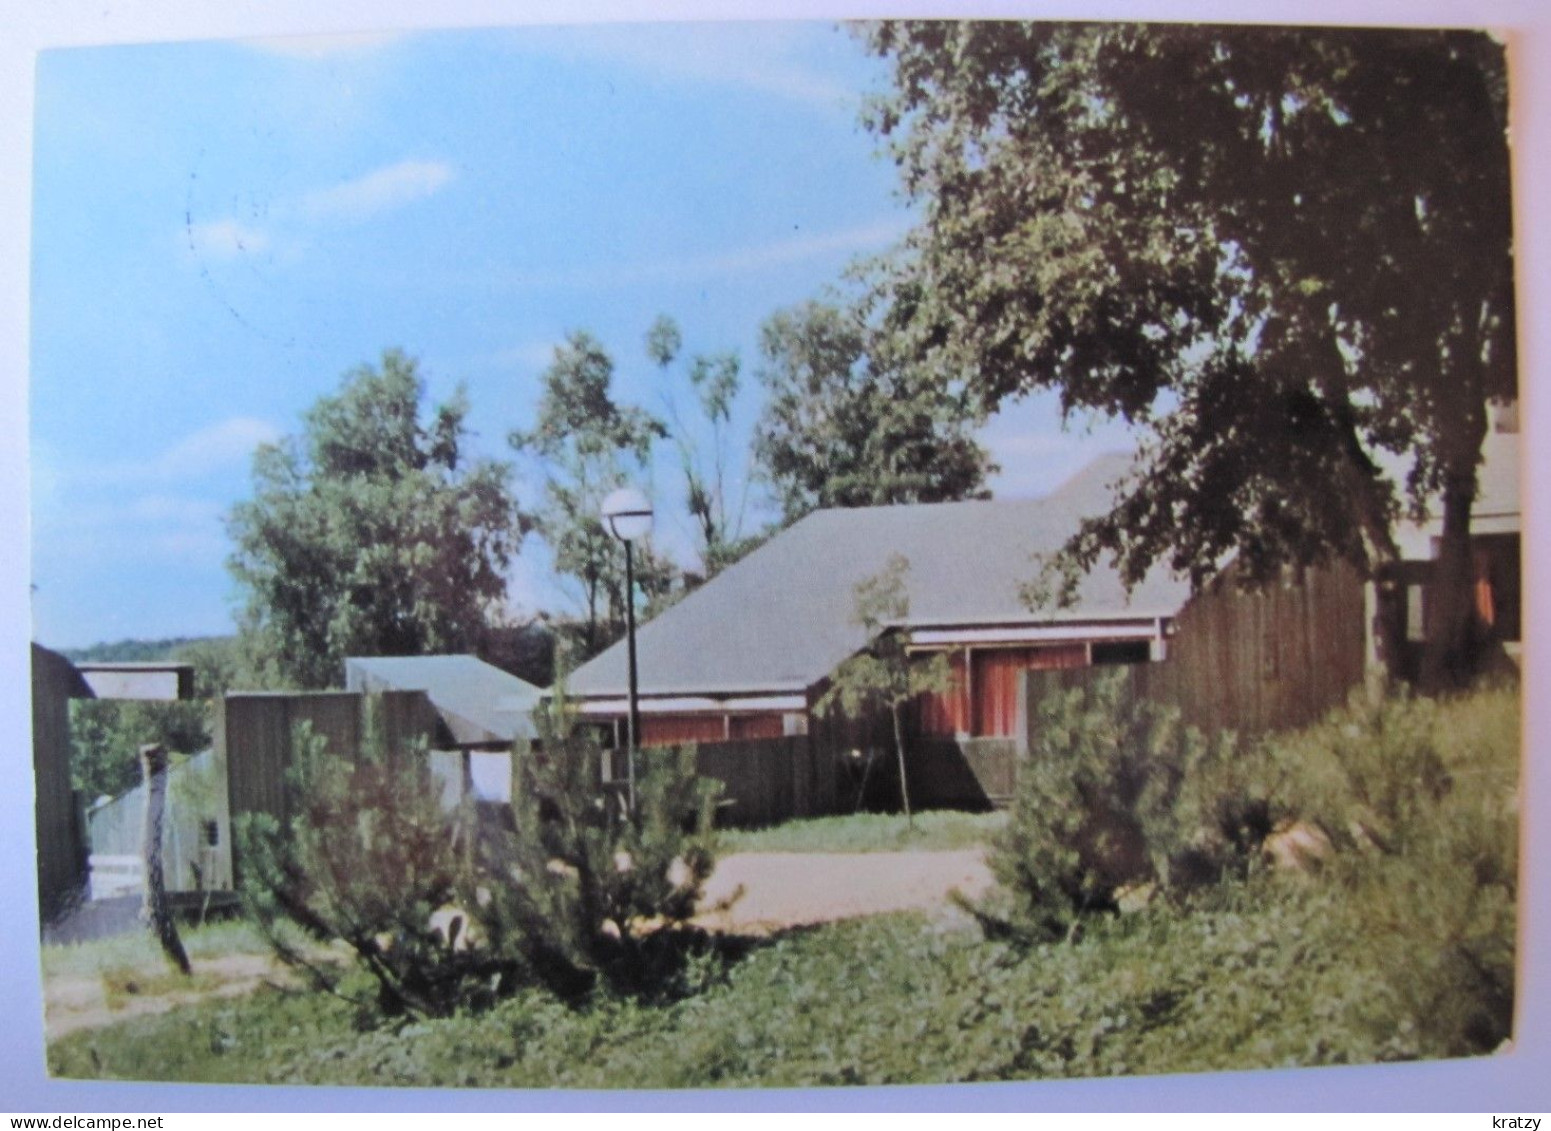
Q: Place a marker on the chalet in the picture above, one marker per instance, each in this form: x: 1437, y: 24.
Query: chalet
x: 748, y: 654
x: 1496, y: 519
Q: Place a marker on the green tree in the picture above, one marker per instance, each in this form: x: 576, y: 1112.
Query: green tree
x: 588, y: 445
x: 885, y: 675
x: 849, y: 423
x: 106, y: 736
x: 370, y: 533
x: 705, y: 459
x: 1280, y: 252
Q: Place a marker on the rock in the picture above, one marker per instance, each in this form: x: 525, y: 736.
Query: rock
x: 1296, y: 846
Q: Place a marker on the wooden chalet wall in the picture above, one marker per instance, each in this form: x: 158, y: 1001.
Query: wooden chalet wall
x: 256, y: 732
x: 1251, y: 660
x: 61, y: 845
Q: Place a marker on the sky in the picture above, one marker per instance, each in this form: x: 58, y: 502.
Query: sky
x: 222, y: 230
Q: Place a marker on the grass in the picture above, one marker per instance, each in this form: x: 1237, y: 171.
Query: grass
x: 887, y: 1000
x: 139, y: 951
x: 935, y: 830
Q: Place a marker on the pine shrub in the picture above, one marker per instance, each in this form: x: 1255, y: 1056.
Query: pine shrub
x: 446, y: 912
x: 1117, y: 794
x: 579, y: 890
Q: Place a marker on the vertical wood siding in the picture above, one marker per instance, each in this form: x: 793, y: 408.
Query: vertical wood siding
x: 256, y: 735
x: 61, y: 849
x: 1253, y: 660
x: 997, y: 673
x: 985, y: 703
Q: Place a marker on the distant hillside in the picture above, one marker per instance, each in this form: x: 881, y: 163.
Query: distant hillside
x: 137, y: 651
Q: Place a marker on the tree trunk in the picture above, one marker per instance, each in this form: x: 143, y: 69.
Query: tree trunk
x: 1454, y: 639
x: 1361, y: 485
x: 153, y: 768
x: 904, y: 788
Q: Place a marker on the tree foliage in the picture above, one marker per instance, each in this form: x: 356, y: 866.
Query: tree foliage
x: 715, y: 489
x: 590, y: 894
x: 368, y: 857
x: 589, y: 445
x: 106, y: 734
x: 370, y: 533
x: 849, y: 422
x: 1281, y: 252
x: 885, y: 676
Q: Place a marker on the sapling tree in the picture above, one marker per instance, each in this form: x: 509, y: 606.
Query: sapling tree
x: 579, y: 891
x: 885, y: 675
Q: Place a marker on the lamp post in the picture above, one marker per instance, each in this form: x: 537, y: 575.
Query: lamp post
x: 628, y: 516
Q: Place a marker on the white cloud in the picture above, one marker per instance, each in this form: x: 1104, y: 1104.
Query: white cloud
x: 381, y: 190
x: 225, y: 239
x: 222, y: 446
x: 173, y: 509
x: 527, y: 355
x: 361, y: 198
x: 317, y: 47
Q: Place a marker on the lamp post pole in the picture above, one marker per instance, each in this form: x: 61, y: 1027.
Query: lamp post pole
x: 634, y: 723
x: 628, y: 517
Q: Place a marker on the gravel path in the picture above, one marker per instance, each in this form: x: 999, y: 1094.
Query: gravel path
x: 790, y: 889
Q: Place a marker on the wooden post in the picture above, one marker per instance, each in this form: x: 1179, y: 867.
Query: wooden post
x: 153, y: 767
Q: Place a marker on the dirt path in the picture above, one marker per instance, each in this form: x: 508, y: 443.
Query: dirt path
x: 792, y: 889
x: 82, y: 1001
x: 778, y: 890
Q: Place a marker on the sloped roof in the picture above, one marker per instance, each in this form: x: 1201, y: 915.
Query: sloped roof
x: 780, y: 619
x: 478, y: 702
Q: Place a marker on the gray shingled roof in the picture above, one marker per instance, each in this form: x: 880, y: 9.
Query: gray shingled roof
x: 780, y: 619
x: 478, y: 703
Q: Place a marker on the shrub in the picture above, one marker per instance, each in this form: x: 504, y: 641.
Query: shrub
x: 1115, y: 794
x: 367, y: 857
x: 446, y: 915
x: 1422, y: 795
x: 579, y: 890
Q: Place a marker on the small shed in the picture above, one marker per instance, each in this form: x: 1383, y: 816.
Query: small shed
x: 477, y: 704
x: 480, y: 709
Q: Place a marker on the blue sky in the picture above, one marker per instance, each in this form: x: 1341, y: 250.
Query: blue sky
x: 223, y: 229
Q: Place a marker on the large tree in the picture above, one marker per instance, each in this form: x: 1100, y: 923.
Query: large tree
x: 1281, y: 252
x: 850, y: 422
x: 370, y: 533
x: 715, y: 482
x: 588, y: 444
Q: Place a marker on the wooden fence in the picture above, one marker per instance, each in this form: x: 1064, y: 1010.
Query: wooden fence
x: 256, y: 732
x: 1252, y: 661
x: 769, y: 780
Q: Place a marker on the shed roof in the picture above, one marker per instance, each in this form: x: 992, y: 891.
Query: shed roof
x: 477, y: 701
x: 780, y: 619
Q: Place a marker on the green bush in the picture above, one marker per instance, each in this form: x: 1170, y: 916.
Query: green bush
x: 1116, y: 794
x: 447, y: 913
x: 1420, y: 797
x: 367, y: 857
x: 578, y: 889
